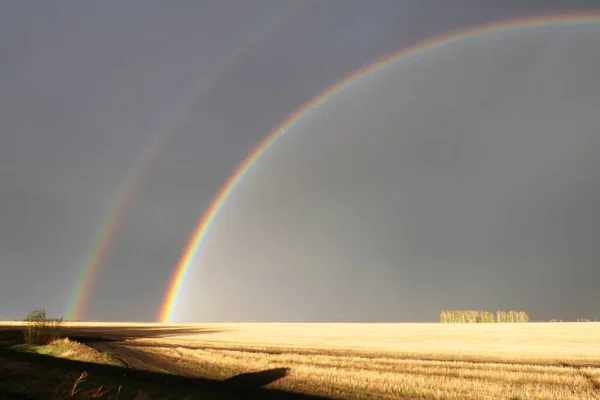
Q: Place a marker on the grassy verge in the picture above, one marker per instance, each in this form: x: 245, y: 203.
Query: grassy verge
x: 32, y: 379
x: 28, y: 373
x: 71, y: 350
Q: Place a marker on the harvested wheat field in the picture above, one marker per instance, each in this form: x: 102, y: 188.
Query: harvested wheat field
x: 444, y: 361
x: 439, y: 361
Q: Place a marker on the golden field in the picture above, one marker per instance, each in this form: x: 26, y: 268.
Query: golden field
x: 442, y: 361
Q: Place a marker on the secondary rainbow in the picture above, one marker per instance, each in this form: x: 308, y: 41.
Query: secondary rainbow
x: 78, y: 303
x: 80, y: 297
x: 179, y: 276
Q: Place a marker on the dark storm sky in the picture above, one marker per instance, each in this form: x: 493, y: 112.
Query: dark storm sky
x: 466, y: 179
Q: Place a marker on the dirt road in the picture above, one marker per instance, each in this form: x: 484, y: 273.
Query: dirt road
x: 139, y: 360
x: 115, y: 343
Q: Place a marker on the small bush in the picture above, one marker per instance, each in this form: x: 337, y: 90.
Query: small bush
x: 41, y: 330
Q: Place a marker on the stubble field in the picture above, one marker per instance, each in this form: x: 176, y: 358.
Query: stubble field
x: 441, y: 361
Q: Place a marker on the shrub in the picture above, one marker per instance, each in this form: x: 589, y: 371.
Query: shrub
x: 41, y: 330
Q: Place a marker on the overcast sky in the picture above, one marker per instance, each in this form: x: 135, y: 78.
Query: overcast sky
x: 464, y: 178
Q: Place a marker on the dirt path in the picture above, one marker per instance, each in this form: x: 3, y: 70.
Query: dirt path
x: 116, y: 343
x: 137, y: 359
x: 131, y: 358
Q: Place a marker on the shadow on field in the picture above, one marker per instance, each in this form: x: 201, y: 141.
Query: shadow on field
x: 262, y: 378
x: 116, y: 333
x: 10, y: 336
x: 34, y: 376
x: 10, y: 395
x: 130, y: 332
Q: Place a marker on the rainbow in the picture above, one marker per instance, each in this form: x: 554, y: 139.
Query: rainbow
x: 79, y: 299
x: 181, y: 271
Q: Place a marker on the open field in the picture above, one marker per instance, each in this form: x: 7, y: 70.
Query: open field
x: 441, y: 361
x: 67, y: 369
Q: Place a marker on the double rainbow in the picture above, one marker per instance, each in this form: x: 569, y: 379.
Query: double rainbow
x: 102, y: 240
x: 181, y: 271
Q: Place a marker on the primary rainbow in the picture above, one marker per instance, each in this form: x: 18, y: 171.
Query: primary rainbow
x: 79, y: 300
x: 183, y: 266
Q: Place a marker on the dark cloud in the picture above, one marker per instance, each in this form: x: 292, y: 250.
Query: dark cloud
x: 454, y: 180
x: 463, y: 179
